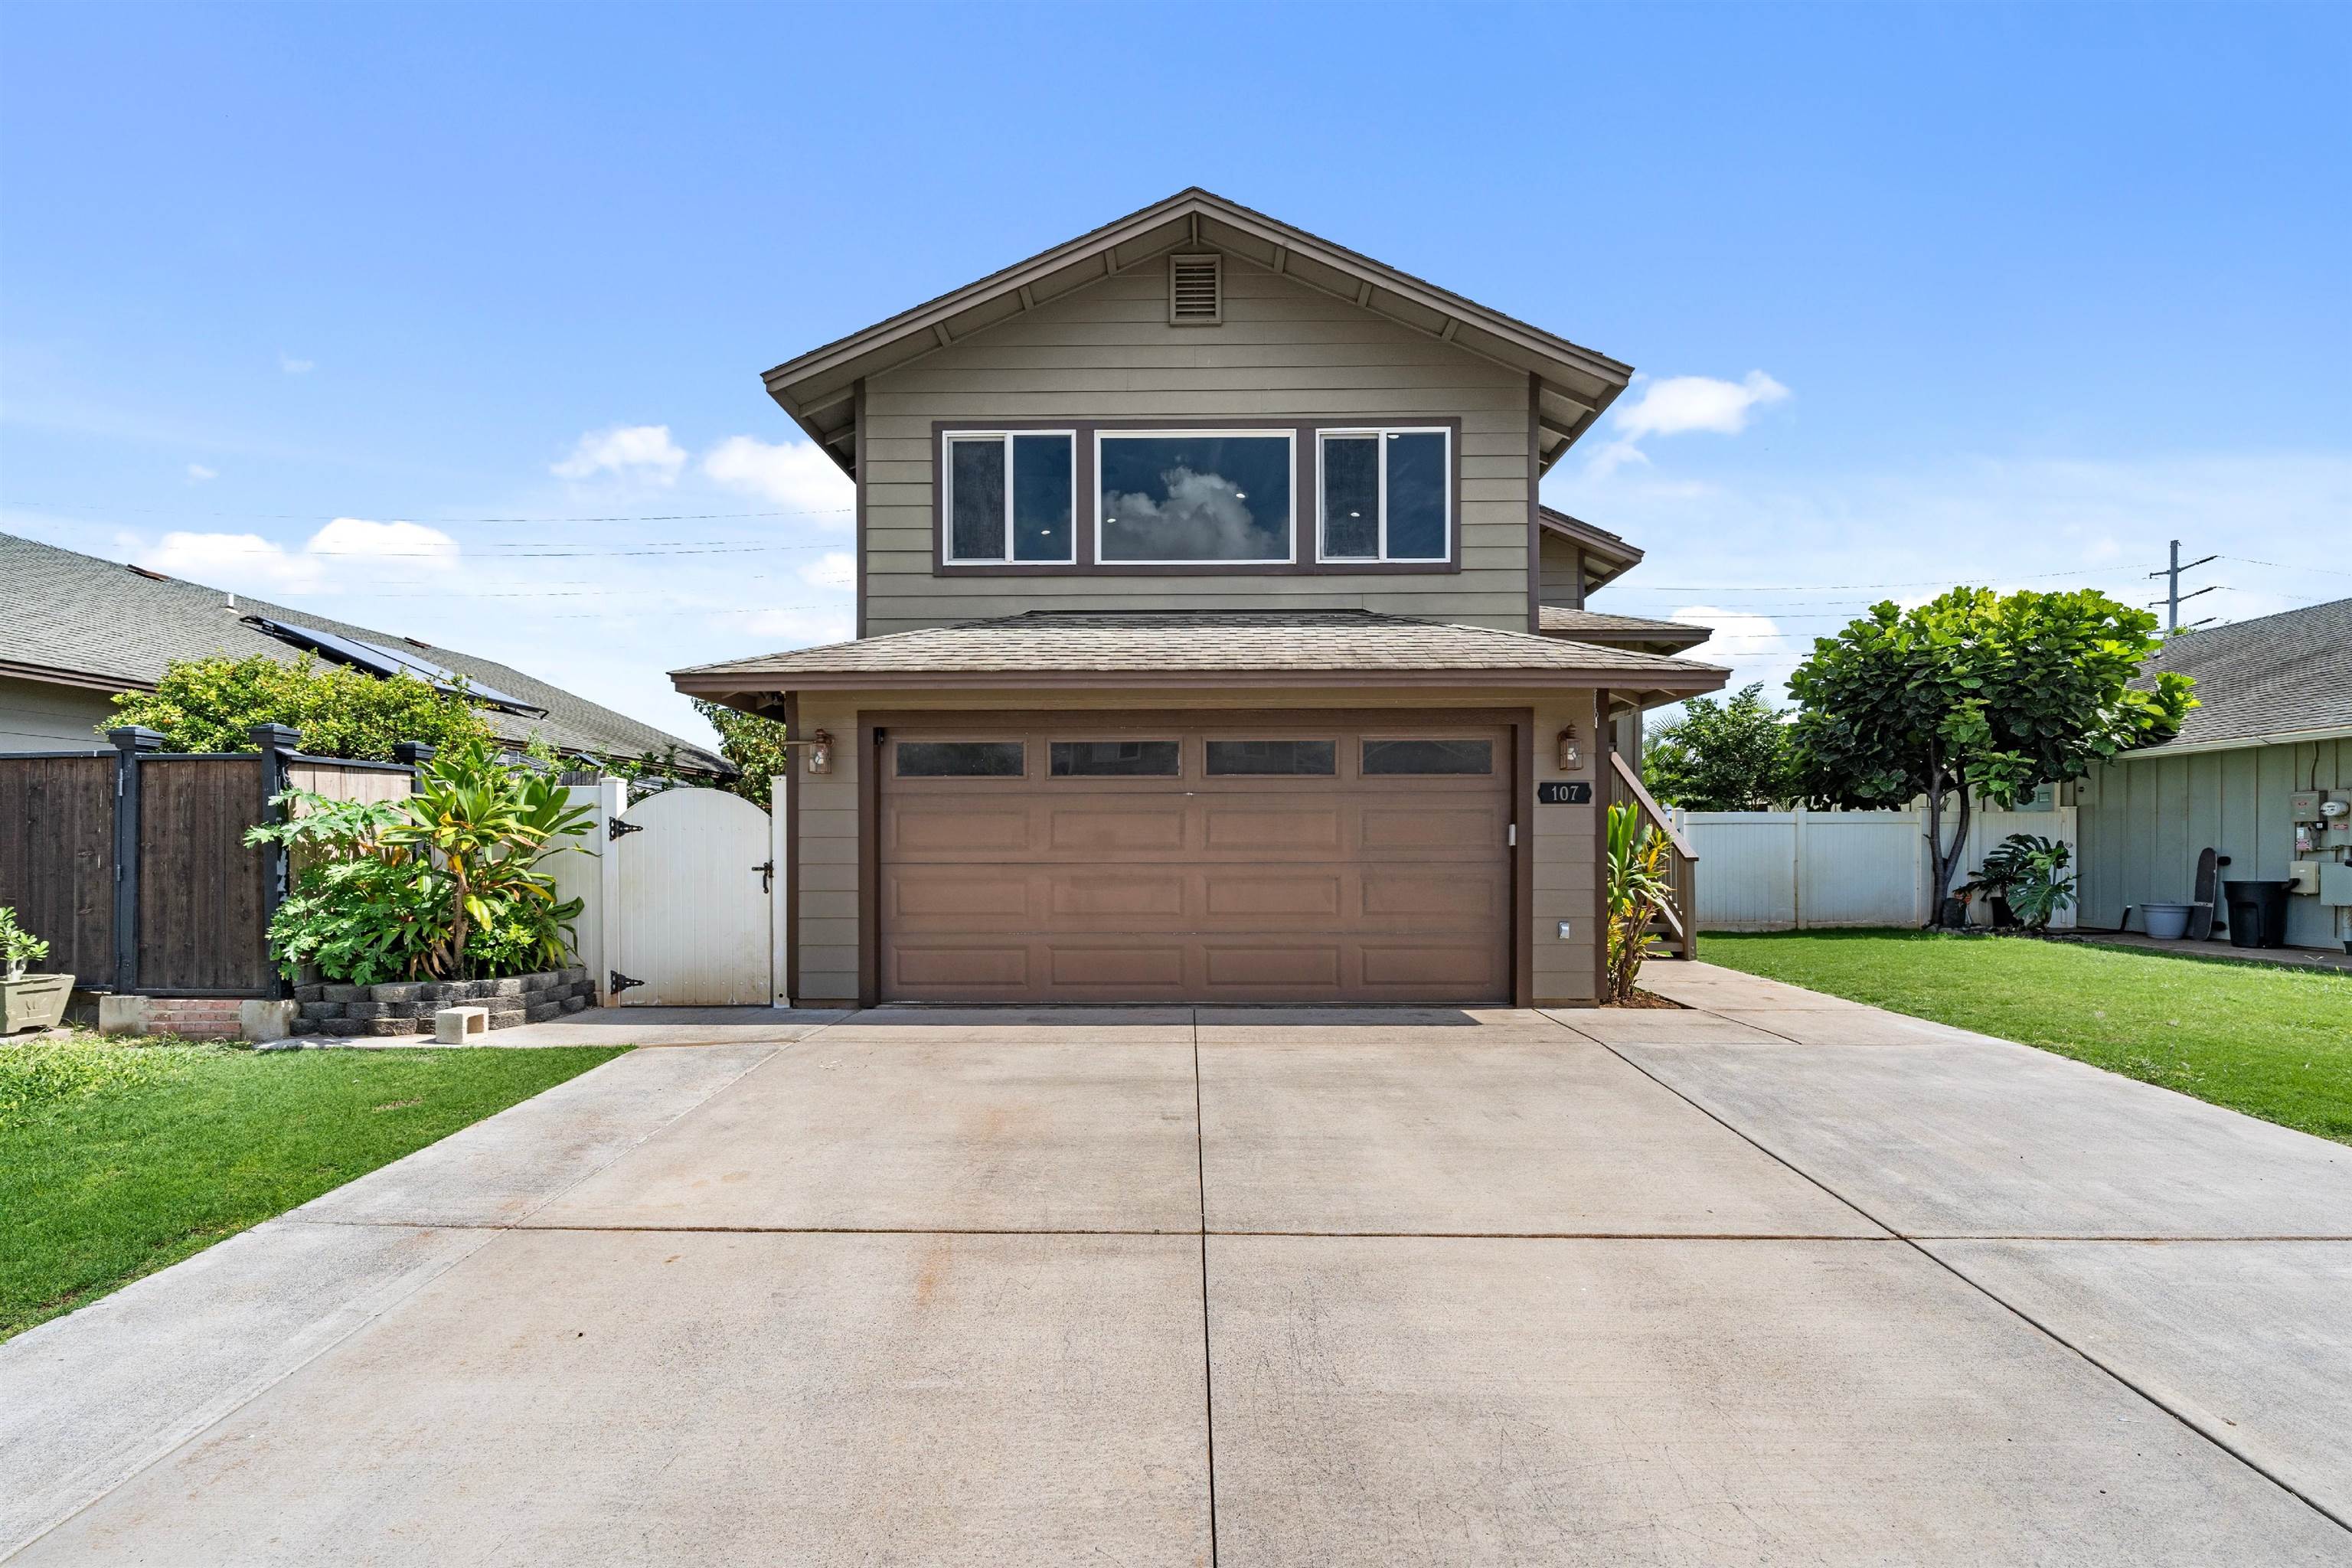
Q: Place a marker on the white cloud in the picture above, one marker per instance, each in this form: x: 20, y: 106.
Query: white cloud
x: 794, y: 475
x: 790, y: 629
x: 293, y: 366
x: 642, y: 452
x: 198, y: 473
x: 1677, y: 404
x: 836, y: 569
x: 346, y: 554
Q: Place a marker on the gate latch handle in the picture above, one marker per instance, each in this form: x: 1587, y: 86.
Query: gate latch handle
x: 767, y: 869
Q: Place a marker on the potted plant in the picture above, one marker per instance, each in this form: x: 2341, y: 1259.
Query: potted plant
x: 27, y: 1000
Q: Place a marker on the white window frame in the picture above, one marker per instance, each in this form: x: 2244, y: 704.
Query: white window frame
x: 948, y: 557
x: 1287, y: 435
x: 1380, y: 434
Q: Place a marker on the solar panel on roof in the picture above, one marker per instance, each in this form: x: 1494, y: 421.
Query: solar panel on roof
x: 378, y: 659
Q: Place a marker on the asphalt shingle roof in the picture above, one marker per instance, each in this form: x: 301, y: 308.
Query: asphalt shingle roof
x: 1595, y: 626
x: 1205, y: 642
x: 61, y: 610
x: 2272, y: 676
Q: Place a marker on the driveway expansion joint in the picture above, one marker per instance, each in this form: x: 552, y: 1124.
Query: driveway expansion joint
x: 1917, y: 1245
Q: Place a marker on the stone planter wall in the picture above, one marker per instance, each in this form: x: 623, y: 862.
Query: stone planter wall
x: 407, y: 1006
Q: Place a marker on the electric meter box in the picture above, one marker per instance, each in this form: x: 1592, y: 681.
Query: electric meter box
x: 2303, y: 805
x: 2335, y: 884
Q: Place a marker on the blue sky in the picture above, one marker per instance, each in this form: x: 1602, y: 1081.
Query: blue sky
x: 2009, y: 295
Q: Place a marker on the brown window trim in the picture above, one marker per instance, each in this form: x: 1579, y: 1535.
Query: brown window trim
x: 1303, y: 492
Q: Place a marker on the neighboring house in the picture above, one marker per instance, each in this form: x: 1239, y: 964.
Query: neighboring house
x: 2273, y: 731
x: 75, y: 630
x: 1200, y: 602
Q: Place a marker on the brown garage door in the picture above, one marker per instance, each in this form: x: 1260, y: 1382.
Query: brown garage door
x: 1293, y: 861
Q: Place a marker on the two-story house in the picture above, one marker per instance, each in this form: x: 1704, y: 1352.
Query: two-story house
x: 1213, y: 645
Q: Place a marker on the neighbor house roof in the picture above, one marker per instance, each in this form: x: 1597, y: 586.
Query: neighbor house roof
x: 79, y: 620
x: 1225, y: 648
x: 818, y: 389
x: 1592, y: 626
x: 2269, y: 681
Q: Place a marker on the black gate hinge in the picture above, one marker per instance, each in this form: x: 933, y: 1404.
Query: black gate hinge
x: 615, y: 827
x: 621, y: 983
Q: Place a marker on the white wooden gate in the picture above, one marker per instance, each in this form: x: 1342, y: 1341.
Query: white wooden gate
x: 690, y: 920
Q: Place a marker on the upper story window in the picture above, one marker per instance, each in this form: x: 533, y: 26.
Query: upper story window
x: 1386, y: 494
x: 1171, y: 497
x: 1010, y: 497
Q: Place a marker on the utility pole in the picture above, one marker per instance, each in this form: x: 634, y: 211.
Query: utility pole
x: 2172, y: 595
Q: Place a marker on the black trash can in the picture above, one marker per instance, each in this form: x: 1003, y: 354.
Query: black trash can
x: 2257, y: 913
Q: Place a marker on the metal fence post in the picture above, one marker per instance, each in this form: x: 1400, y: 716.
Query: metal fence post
x: 129, y: 742
x: 276, y: 744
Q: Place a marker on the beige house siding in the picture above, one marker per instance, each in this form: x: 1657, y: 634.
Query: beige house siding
x: 1560, y: 579
x: 37, y: 716
x: 1283, y: 352
x: 1565, y: 884
x: 826, y: 936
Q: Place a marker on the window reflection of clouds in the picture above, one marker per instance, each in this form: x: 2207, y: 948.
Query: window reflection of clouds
x: 1195, y: 497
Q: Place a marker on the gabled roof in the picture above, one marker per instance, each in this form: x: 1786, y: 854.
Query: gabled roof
x: 1627, y: 631
x: 1196, y: 647
x: 78, y: 620
x: 1607, y: 556
x: 2274, y: 680
x: 818, y: 388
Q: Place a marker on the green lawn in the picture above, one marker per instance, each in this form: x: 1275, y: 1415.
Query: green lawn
x: 117, y: 1160
x: 2273, y: 1043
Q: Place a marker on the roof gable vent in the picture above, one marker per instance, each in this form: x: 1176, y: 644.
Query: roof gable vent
x: 1196, y: 293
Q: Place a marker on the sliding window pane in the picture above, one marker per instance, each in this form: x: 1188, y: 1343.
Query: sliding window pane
x: 976, y: 500
x: 1417, y: 495
x: 1117, y: 759
x: 1041, y: 498
x: 1195, y: 497
x: 1401, y: 757
x: 1272, y: 759
x: 960, y: 760
x: 1351, y: 498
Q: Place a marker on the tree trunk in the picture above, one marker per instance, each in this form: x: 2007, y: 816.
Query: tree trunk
x: 1945, y: 862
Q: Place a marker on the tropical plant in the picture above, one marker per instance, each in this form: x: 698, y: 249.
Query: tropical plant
x: 449, y: 883
x: 1976, y: 695
x: 755, y: 746
x: 213, y: 704
x: 1721, y: 756
x: 2041, y: 878
x: 1639, y: 885
x: 18, y: 947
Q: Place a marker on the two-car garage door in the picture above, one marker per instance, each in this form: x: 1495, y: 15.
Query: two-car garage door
x: 1295, y: 859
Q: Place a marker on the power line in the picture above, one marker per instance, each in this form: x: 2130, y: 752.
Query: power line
x: 314, y: 517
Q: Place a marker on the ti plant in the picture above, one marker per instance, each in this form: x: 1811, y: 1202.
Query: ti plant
x: 1639, y: 886
x: 18, y: 947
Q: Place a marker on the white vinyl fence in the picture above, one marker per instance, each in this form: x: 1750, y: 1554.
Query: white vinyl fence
x: 1794, y: 871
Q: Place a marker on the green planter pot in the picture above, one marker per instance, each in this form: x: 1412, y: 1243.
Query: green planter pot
x: 34, y: 1001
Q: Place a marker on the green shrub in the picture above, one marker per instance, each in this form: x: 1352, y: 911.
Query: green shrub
x: 213, y: 704
x: 448, y: 884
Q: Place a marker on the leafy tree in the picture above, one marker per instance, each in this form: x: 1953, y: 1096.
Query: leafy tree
x: 753, y: 745
x: 1721, y: 756
x: 212, y: 704
x: 1976, y: 694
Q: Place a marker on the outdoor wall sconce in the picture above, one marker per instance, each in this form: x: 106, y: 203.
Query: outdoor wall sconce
x: 1572, y: 755
x: 820, y: 754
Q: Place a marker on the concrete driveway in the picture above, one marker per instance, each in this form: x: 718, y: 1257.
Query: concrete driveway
x: 1778, y: 1280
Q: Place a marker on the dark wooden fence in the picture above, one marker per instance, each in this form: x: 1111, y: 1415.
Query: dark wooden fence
x: 133, y: 863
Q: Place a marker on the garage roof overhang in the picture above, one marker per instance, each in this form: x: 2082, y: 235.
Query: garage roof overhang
x: 1573, y: 384
x: 1343, y: 652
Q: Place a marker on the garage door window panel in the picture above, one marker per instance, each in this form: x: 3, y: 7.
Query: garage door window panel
x: 1273, y: 759
x: 1407, y: 758
x: 961, y: 760
x: 1117, y: 759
